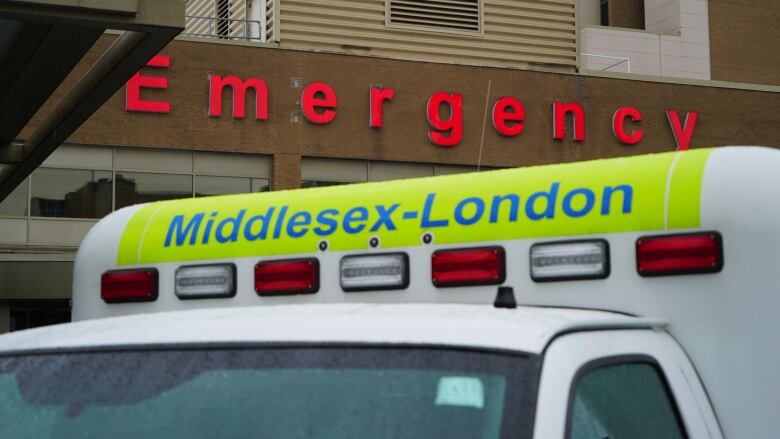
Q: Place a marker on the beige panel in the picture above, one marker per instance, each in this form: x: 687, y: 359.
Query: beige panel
x: 58, y: 232
x: 13, y: 231
x: 588, y: 13
x: 447, y: 170
x: 23, y: 280
x: 80, y: 157
x: 233, y: 165
x: 334, y: 170
x: 162, y: 161
x: 378, y: 171
x: 516, y: 33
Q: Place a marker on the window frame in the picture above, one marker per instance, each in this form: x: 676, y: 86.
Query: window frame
x: 617, y: 360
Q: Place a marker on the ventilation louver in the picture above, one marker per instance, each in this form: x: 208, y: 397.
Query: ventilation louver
x: 444, y: 14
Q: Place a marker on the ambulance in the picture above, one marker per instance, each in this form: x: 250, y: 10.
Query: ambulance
x: 623, y: 298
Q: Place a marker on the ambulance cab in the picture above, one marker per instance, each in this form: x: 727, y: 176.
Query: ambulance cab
x: 622, y: 298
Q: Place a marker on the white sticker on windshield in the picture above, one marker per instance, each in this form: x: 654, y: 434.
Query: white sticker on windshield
x: 460, y: 392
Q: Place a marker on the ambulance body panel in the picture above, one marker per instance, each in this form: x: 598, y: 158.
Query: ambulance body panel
x: 567, y: 341
x: 720, y: 324
x: 571, y: 355
x: 522, y: 329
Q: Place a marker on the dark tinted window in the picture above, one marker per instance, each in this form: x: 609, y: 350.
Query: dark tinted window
x: 628, y: 400
x: 70, y: 193
x: 141, y: 187
x: 320, y: 183
x: 35, y: 313
x: 207, y: 185
x: 261, y: 185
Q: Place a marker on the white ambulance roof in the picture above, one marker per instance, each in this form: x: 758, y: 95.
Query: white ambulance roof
x: 726, y: 321
x: 522, y: 329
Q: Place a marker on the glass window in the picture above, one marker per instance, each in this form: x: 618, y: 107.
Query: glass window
x: 15, y: 204
x: 448, y: 170
x: 309, y: 391
x: 320, y: 183
x: 624, y: 400
x: 333, y: 170
x: 604, y: 12
x: 140, y: 187
x: 70, y: 193
x: 207, y: 185
x: 261, y: 185
x: 383, y: 171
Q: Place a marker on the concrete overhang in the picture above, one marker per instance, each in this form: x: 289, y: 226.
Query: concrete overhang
x: 41, y: 41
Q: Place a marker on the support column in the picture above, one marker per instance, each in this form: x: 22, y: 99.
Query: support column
x: 286, y: 171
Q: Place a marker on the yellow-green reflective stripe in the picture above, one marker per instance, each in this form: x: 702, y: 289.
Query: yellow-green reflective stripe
x: 603, y: 196
x: 684, y: 201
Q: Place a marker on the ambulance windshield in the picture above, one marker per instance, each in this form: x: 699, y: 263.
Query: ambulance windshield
x: 274, y: 392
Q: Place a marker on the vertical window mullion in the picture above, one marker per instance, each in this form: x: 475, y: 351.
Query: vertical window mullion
x: 29, y: 206
x: 113, y: 179
x: 192, y: 166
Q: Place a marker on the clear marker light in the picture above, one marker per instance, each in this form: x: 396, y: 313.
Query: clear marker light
x: 206, y: 281
x: 375, y: 272
x: 571, y: 260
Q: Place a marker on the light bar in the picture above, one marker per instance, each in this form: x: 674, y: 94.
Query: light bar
x: 679, y: 254
x: 386, y: 271
x: 287, y: 277
x: 129, y: 285
x: 206, y: 281
x: 570, y: 260
x: 468, y: 266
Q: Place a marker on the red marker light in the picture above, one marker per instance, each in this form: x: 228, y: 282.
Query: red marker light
x: 470, y: 266
x: 294, y: 276
x: 679, y: 254
x: 129, y: 285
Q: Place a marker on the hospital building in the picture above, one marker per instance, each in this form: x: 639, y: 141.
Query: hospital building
x: 271, y: 95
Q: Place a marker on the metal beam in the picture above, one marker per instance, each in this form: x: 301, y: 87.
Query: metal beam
x: 127, y: 55
x: 11, y: 154
x: 35, y: 80
x: 149, y: 13
x: 50, y: 38
x: 118, y: 6
x: 19, y: 48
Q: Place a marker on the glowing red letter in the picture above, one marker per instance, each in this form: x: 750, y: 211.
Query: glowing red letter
x: 378, y: 96
x: 560, y: 110
x: 327, y: 101
x: 218, y: 83
x: 618, y: 125
x: 133, y: 101
x: 682, y: 133
x: 508, y: 110
x: 454, y: 125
